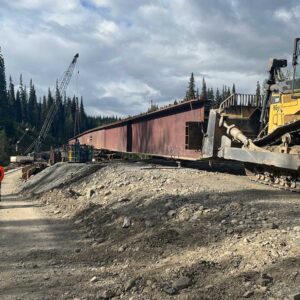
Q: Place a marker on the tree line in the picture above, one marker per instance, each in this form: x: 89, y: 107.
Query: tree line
x: 21, y: 111
x: 215, y: 96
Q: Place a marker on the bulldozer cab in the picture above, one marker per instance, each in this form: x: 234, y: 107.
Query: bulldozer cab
x: 285, y: 105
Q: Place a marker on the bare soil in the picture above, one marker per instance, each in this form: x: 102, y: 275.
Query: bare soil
x: 35, y: 249
x: 138, y: 231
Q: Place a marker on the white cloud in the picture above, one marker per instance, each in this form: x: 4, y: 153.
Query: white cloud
x: 53, y: 5
x: 290, y: 15
x: 128, y: 88
x: 107, y: 32
x: 283, y: 14
x: 101, y: 2
x: 133, y: 51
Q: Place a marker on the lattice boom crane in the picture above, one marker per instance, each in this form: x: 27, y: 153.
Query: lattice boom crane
x: 62, y: 87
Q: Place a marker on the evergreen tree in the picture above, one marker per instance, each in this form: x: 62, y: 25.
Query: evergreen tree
x: 153, y: 106
x: 218, y: 98
x: 39, y: 113
x: 204, y: 90
x: 11, y: 100
x: 32, y: 106
x: 50, y: 101
x: 82, y: 116
x: 228, y: 92
x: 233, y: 89
x: 23, y: 100
x: 18, y: 108
x: 4, y: 148
x: 60, y: 122
x: 224, y: 91
x: 11, y: 93
x: 58, y: 127
x: 73, y: 108
x: 68, y: 118
x: 197, y: 94
x: 69, y: 121
x: 3, y: 92
x: 77, y: 119
x: 21, y: 110
x: 210, y: 94
x: 258, y: 90
x: 44, y: 108
x: 190, y: 93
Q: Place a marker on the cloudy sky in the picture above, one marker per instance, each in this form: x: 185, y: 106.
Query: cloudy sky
x: 132, y: 51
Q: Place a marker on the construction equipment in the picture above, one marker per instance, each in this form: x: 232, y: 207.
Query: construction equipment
x: 20, y: 140
x: 32, y: 169
x: 22, y: 159
x: 271, y: 152
x: 62, y: 87
x: 80, y: 153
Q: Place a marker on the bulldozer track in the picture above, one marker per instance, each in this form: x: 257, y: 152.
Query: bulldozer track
x: 285, y: 180
x: 256, y: 177
x: 277, y: 186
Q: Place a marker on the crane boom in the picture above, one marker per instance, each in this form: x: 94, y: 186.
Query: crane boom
x: 54, y: 108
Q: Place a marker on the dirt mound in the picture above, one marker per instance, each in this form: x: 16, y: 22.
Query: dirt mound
x: 58, y: 175
x: 165, y: 233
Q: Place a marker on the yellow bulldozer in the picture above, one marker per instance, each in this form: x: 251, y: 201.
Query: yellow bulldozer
x: 263, y: 133
x: 285, y: 104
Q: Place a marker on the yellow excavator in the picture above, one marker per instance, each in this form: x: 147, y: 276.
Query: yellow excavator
x: 262, y: 133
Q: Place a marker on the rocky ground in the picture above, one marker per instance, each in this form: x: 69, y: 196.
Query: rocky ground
x: 150, y: 232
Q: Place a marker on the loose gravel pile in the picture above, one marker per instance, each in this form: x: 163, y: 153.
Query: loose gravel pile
x: 165, y: 233
x: 58, y: 175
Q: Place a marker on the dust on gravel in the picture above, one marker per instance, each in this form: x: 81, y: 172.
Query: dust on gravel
x: 168, y: 233
x: 58, y: 175
x: 36, y: 250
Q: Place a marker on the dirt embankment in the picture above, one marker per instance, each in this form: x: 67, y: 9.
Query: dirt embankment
x: 167, y: 233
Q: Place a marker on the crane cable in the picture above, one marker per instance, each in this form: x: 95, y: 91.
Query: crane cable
x: 53, y: 109
x: 77, y: 123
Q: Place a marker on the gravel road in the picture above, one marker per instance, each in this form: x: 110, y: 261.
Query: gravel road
x: 139, y: 231
x: 32, y: 245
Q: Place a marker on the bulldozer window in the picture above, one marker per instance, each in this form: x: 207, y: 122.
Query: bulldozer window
x: 297, y: 83
x: 275, y: 100
x: 296, y: 75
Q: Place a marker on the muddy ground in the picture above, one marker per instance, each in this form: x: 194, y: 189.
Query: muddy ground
x: 140, y: 231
